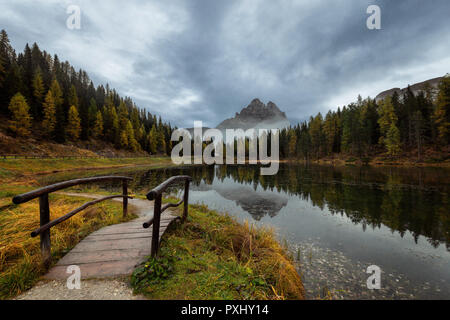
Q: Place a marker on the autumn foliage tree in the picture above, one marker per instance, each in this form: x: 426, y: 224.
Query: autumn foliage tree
x: 73, y: 126
x: 98, y: 125
x: 441, y: 116
x: 49, y: 110
x: 100, y: 112
x: 20, y: 122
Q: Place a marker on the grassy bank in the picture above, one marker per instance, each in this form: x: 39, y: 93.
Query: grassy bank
x: 379, y: 161
x: 20, y: 258
x: 11, y: 168
x: 212, y: 256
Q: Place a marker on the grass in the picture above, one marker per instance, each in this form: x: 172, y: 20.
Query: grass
x: 18, y: 167
x: 20, y: 258
x: 212, y: 256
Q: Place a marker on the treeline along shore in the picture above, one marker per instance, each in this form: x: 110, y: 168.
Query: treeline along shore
x: 48, y: 101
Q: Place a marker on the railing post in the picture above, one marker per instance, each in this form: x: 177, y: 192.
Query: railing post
x: 186, y: 199
x: 125, y: 199
x: 44, y: 211
x: 156, y: 223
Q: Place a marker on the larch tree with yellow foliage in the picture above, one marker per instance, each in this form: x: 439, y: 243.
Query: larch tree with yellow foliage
x: 98, y: 126
x: 73, y: 126
x: 49, y: 113
x: 441, y: 116
x: 390, y: 134
x: 20, y: 122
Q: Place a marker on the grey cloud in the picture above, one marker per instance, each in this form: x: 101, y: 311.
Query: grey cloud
x: 205, y: 60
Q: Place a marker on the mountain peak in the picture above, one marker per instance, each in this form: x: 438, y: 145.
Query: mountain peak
x: 257, y: 115
x: 433, y: 84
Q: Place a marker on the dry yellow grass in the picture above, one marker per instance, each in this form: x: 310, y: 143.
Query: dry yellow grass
x: 20, y: 258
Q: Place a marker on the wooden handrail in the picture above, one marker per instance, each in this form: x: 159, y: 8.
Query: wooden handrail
x: 44, y: 207
x: 62, y: 185
x: 156, y: 194
x: 163, y: 186
x: 63, y: 218
x: 163, y: 208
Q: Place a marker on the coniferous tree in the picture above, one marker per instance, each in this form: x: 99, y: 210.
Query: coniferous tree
x: 73, y: 97
x: 132, y: 143
x: 38, y: 94
x: 33, y: 72
x: 292, y: 144
x: 123, y: 139
x: 59, y: 111
x: 392, y: 140
x: 73, y: 124
x: 92, y: 117
x: 49, y: 111
x: 2, y: 72
x: 390, y: 134
x: 20, y: 122
x: 161, y: 142
x: 152, y: 140
x: 98, y: 126
x: 418, y: 123
x: 441, y: 116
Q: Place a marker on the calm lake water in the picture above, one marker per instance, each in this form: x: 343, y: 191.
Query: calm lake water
x: 337, y: 221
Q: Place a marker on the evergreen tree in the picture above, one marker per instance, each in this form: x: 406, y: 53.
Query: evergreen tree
x: 292, y: 144
x: 98, y: 126
x: 392, y: 141
x: 330, y: 131
x: 60, y: 114
x: 123, y: 139
x: 8, y: 74
x: 20, y: 122
x: 441, y: 116
x: 390, y: 134
x: 418, y: 123
x: 92, y: 116
x: 49, y: 110
x: 315, y: 130
x: 73, y: 97
x: 161, y: 142
x: 73, y: 129
x: 132, y: 143
x: 152, y: 140
x: 38, y: 94
x: 2, y: 72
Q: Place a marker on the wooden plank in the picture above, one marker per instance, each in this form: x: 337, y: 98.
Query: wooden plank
x: 77, y: 258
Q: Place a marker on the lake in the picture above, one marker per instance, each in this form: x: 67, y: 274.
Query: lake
x: 337, y: 221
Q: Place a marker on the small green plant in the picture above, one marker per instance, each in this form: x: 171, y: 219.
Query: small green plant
x: 151, y: 271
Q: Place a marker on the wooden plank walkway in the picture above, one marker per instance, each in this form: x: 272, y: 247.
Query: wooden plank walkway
x: 113, y: 250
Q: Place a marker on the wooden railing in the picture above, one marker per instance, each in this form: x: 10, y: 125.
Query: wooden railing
x: 156, y: 194
x: 44, y: 208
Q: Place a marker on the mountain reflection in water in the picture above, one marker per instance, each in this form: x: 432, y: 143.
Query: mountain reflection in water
x: 257, y: 204
x: 345, y: 218
x: 402, y: 199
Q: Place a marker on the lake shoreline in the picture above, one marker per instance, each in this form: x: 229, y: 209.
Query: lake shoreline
x: 14, y: 169
x: 338, y: 162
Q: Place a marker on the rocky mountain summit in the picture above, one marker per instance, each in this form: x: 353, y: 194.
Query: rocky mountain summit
x: 415, y: 88
x: 257, y: 115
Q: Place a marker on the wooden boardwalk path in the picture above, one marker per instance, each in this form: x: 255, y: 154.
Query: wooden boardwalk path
x: 113, y: 250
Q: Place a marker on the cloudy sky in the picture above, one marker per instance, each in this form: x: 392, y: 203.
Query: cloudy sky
x: 205, y: 60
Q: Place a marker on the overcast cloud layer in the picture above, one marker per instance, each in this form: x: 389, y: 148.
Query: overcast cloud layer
x: 205, y: 60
